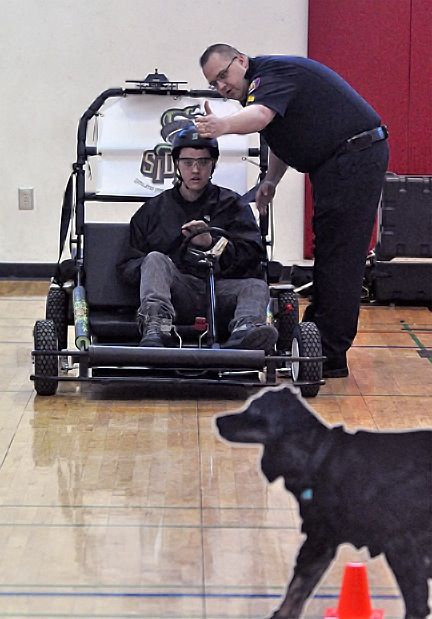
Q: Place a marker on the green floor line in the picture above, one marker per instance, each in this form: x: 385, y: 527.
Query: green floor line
x: 415, y: 339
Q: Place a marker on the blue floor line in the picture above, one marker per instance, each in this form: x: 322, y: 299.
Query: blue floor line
x: 319, y: 596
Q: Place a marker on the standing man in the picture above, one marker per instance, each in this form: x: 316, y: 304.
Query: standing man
x: 317, y: 123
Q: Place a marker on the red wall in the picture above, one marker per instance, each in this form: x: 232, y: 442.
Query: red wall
x: 420, y: 100
x: 383, y: 48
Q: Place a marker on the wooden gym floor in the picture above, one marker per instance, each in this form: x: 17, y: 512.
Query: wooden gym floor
x: 118, y: 503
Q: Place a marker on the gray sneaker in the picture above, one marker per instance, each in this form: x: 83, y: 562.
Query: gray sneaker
x: 155, y: 329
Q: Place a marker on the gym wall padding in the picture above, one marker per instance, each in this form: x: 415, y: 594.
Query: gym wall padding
x: 420, y: 100
x: 383, y: 49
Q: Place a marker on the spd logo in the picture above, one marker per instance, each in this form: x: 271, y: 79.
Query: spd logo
x: 157, y: 163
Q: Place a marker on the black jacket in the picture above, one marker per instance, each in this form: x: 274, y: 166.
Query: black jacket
x: 156, y: 226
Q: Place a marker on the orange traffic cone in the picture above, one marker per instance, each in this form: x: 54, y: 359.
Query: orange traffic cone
x: 354, y: 599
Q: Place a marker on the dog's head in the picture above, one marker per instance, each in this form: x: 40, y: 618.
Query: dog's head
x: 267, y: 416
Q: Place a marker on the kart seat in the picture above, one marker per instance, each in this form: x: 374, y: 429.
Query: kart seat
x: 112, y: 302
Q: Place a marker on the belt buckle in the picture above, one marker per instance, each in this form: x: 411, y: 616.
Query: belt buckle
x: 360, y: 142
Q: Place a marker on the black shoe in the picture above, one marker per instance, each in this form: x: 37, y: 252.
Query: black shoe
x: 253, y: 337
x: 151, y: 340
x: 335, y: 368
x: 155, y: 328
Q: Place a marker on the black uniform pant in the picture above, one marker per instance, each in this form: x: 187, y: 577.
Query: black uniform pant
x: 346, y: 193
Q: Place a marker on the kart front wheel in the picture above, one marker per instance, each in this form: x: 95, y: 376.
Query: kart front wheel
x: 56, y: 310
x: 45, y: 338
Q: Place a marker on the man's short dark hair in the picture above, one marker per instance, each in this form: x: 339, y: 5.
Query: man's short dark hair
x: 217, y: 48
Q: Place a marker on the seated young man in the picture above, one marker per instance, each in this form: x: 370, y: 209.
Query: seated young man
x: 173, y: 287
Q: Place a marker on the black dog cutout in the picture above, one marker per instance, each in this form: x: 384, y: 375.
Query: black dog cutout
x: 370, y: 489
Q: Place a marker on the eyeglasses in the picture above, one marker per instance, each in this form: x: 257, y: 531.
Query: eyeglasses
x: 222, y: 75
x: 201, y: 162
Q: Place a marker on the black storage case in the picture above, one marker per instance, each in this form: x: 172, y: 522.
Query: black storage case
x: 405, y: 224
x: 403, y: 281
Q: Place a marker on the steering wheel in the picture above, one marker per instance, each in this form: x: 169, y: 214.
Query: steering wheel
x: 197, y: 251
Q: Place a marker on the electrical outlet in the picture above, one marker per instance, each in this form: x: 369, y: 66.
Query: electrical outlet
x: 25, y: 198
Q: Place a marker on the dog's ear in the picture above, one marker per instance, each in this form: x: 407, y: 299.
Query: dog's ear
x: 284, y: 408
x: 284, y: 411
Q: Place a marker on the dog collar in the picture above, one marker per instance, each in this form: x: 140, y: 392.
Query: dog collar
x: 316, y: 461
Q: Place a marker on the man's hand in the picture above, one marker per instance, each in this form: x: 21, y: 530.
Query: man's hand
x: 204, y: 240
x: 210, y: 125
x: 264, y: 196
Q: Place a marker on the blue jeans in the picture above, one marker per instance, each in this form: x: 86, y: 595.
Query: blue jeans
x: 184, y: 296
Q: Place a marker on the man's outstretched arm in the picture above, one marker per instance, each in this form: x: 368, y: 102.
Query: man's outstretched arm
x: 248, y: 120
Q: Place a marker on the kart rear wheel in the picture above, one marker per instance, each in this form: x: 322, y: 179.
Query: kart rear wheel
x: 45, y: 338
x: 287, y: 318
x: 57, y: 311
x: 306, y: 342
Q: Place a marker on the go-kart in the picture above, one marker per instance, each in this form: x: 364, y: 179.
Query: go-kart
x: 88, y: 293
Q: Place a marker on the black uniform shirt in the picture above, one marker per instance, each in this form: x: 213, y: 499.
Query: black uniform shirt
x: 316, y: 110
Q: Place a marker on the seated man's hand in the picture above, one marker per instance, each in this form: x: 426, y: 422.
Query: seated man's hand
x: 203, y: 240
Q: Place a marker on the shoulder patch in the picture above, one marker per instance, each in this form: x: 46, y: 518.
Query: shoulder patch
x: 254, y: 85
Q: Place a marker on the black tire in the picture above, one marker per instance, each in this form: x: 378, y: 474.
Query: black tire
x: 57, y: 311
x: 45, y: 338
x: 307, y: 343
x: 287, y: 318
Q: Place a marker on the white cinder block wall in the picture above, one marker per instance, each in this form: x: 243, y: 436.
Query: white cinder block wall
x: 56, y: 56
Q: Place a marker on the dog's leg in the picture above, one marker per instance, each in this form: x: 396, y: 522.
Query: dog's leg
x: 312, y: 561
x: 411, y: 577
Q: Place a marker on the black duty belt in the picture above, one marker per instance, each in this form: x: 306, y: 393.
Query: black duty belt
x: 365, y: 139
